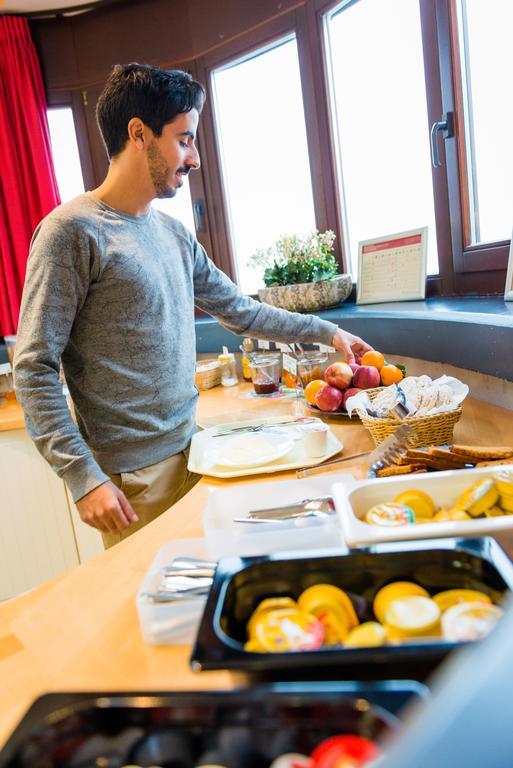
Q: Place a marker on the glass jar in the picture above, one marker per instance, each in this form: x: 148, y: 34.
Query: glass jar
x: 6, y: 382
x: 247, y: 347
x: 228, y: 369
x: 265, y: 374
x: 311, y: 366
x: 272, y: 354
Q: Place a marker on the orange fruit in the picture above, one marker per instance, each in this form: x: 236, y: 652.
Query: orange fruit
x: 312, y: 388
x: 390, y: 374
x: 373, y: 358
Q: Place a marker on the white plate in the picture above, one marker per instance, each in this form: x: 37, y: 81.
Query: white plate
x: 443, y: 487
x: 253, y: 449
x: 205, y: 448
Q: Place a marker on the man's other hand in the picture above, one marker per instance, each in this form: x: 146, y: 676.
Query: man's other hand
x: 106, y: 508
x: 349, y: 345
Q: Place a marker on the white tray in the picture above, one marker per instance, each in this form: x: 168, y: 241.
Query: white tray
x: 225, y: 537
x: 443, y: 487
x: 204, y: 444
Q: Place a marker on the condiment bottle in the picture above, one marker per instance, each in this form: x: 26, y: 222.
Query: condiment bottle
x: 247, y: 346
x: 228, y: 369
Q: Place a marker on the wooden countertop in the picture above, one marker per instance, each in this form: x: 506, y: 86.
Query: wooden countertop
x: 11, y: 415
x: 80, y: 631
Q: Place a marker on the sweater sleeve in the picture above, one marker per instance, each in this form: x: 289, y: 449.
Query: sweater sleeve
x: 216, y: 294
x: 56, y: 285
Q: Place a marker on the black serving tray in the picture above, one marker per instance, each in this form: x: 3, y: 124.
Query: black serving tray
x: 436, y: 564
x: 244, y: 729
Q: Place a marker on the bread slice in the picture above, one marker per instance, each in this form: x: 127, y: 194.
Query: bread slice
x: 405, y: 469
x: 484, y: 452
x: 422, y: 457
x: 447, y: 455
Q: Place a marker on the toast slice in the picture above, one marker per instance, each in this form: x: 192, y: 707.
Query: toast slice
x: 484, y: 452
x: 447, y: 455
x: 405, y: 469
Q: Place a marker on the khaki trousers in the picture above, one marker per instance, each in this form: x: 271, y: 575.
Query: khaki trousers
x: 152, y: 490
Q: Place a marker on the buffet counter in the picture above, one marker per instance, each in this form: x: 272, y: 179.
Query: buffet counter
x: 80, y: 631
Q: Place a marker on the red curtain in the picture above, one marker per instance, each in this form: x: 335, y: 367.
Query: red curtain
x: 28, y: 188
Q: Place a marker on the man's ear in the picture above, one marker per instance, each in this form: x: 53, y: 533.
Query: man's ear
x: 137, y: 132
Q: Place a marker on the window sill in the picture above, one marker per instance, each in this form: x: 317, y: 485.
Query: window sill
x: 472, y: 333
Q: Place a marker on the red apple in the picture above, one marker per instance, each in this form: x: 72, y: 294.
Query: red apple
x: 358, y: 360
x: 328, y: 399
x: 354, y: 367
x: 339, y: 375
x: 366, y: 377
x: 349, y: 393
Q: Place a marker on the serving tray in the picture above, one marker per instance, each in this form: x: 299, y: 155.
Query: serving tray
x: 204, y: 448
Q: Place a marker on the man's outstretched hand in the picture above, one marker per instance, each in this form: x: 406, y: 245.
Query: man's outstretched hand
x: 349, y: 345
x: 106, y: 508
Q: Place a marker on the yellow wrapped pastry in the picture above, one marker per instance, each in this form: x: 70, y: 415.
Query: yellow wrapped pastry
x: 479, y: 497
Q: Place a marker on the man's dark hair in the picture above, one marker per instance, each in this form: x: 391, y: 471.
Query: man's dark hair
x: 154, y: 95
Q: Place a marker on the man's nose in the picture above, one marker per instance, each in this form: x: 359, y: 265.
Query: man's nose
x: 193, y: 160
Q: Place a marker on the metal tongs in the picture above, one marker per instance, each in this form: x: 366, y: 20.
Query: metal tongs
x: 321, y: 506
x: 187, y: 578
x: 400, y: 409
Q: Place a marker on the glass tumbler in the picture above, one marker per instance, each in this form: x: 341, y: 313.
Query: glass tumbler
x: 265, y: 374
x: 311, y: 366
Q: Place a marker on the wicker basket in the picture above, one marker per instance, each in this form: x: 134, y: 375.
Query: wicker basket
x: 429, y: 430
x: 208, y: 374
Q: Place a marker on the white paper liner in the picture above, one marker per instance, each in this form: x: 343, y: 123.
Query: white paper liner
x: 424, y: 397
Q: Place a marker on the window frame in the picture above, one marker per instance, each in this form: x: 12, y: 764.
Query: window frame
x: 463, y: 268
x: 295, y: 22
x: 485, y: 264
x: 72, y: 100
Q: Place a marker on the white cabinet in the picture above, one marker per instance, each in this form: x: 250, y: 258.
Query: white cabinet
x: 38, y: 538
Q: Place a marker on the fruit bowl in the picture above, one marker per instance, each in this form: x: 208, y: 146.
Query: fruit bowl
x: 332, y: 414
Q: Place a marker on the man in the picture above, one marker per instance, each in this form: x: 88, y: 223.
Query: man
x: 110, y: 291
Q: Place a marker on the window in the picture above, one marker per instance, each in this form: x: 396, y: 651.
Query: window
x: 264, y: 154
x: 486, y: 69
x: 380, y: 121
x: 66, y: 159
x: 179, y: 206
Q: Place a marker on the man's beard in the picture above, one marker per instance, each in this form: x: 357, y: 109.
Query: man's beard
x: 159, y: 172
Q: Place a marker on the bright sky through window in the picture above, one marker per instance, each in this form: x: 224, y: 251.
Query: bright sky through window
x: 378, y: 88
x: 262, y: 135
x: 65, y: 155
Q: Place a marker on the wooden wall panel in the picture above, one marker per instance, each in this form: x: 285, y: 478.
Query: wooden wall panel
x: 54, y: 44
x: 79, y: 51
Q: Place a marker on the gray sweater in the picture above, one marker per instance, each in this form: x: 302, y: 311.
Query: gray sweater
x: 112, y: 296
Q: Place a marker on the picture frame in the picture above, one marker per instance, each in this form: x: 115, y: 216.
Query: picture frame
x: 508, y: 288
x: 392, y: 267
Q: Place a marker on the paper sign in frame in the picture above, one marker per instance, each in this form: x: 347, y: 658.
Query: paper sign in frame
x: 420, y: 290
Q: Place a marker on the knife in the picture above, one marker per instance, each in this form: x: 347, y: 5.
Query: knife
x: 258, y: 427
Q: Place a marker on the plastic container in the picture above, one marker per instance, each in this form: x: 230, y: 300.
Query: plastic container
x: 228, y: 369
x: 241, y: 584
x: 243, y: 729
x: 315, y: 438
x: 169, y: 623
x: 225, y: 537
x: 442, y: 487
x: 266, y: 373
x: 311, y: 366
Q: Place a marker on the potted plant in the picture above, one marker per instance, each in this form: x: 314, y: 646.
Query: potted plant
x: 301, y: 273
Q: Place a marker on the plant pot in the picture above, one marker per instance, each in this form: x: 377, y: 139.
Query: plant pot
x: 308, y: 297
